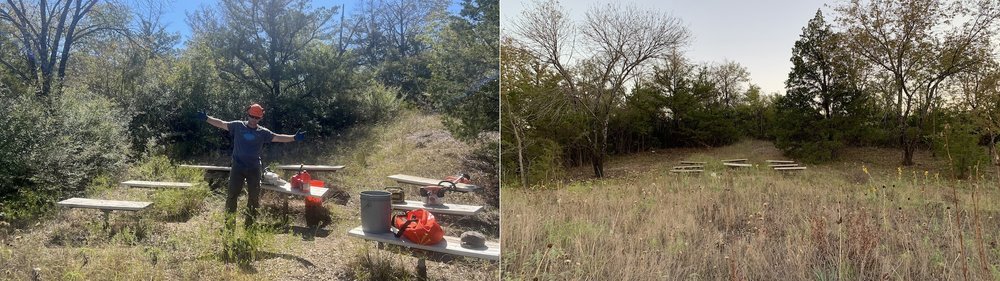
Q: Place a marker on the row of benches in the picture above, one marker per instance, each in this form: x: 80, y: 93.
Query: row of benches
x: 699, y: 166
x: 451, y: 245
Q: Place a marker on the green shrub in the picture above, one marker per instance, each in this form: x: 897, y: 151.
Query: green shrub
x: 959, y: 144
x: 172, y: 204
x: 378, y: 102
x: 243, y: 246
x: 51, y: 152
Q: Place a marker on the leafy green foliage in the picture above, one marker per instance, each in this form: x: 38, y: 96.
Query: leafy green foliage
x: 56, y: 156
x: 243, y: 245
x: 463, y: 63
x: 958, y: 142
x: 824, y: 107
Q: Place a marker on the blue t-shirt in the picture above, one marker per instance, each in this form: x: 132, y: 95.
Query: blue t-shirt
x: 247, y: 143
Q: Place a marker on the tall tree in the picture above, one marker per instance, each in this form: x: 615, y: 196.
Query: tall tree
x: 463, y: 60
x: 46, y: 34
x: 919, y: 44
x: 257, y: 43
x: 391, y: 39
x: 731, y: 80
x: 824, y: 91
x: 620, y: 41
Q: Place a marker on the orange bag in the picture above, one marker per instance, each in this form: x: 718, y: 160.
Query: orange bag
x: 419, y: 226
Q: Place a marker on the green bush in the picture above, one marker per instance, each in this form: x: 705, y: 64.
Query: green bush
x: 243, y: 246
x: 378, y: 102
x: 51, y: 152
x: 172, y: 204
x: 958, y: 143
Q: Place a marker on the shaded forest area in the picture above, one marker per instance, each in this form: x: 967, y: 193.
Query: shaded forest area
x: 91, y: 86
x: 897, y: 74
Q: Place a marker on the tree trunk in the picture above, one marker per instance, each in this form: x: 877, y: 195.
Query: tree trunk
x: 598, y: 164
x: 520, y: 157
x: 993, y: 149
x: 908, y: 148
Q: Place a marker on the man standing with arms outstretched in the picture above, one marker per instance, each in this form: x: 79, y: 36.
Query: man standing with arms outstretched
x: 248, y: 139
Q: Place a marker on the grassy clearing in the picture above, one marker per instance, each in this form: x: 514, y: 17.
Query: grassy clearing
x: 829, y: 222
x: 182, y: 236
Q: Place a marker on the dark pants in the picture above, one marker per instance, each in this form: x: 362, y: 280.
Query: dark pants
x: 236, y: 177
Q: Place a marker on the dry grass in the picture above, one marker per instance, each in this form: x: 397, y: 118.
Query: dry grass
x: 72, y: 245
x: 831, y: 222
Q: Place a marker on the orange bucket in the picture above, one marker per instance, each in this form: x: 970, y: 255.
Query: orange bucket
x: 314, y: 201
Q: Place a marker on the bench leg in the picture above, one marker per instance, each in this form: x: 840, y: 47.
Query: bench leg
x: 107, y: 215
x: 285, y: 219
x: 421, y: 269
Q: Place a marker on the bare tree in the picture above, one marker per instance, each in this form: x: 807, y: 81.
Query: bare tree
x: 919, y: 44
x: 45, y: 33
x: 619, y: 42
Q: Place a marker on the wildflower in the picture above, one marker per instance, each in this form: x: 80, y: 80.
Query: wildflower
x: 865, y: 168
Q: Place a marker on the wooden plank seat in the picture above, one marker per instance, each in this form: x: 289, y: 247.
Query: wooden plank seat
x: 451, y: 209
x: 208, y: 168
x: 737, y: 165
x: 105, y: 206
x: 88, y: 203
x: 789, y: 168
x: 780, y: 161
x: 400, y: 178
x: 685, y: 162
x: 696, y: 167
x: 322, y: 168
x: 783, y: 165
x: 451, y: 245
x: 287, y: 189
x: 155, y: 184
x: 735, y: 160
x: 686, y: 171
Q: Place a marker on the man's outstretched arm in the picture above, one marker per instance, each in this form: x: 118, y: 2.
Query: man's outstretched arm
x: 298, y: 136
x: 214, y: 121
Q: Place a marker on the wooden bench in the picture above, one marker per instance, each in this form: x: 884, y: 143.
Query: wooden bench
x: 686, y: 171
x: 685, y: 162
x: 287, y: 189
x: 105, y: 206
x: 451, y: 209
x: 696, y: 167
x: 737, y: 165
x: 155, y: 184
x: 208, y: 168
x: 321, y: 168
x: 783, y: 165
x: 426, y: 181
x: 451, y: 245
x: 780, y: 161
x: 790, y: 168
x: 735, y: 160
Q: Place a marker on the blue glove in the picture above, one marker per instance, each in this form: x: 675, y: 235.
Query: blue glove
x: 201, y: 116
x: 299, y: 136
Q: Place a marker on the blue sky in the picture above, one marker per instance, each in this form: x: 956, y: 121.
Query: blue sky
x: 757, y: 34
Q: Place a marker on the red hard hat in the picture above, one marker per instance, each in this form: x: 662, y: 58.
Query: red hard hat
x: 256, y: 110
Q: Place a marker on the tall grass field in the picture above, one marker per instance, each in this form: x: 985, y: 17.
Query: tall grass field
x: 862, y: 218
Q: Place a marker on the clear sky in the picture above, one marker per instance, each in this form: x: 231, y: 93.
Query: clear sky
x: 758, y: 34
